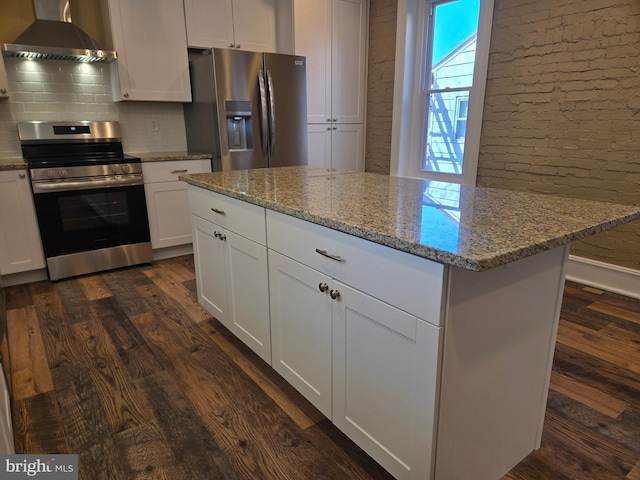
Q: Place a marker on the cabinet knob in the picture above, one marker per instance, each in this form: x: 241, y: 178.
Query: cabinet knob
x: 3, y: 91
x: 222, y: 237
x: 323, y: 287
x: 335, y: 119
x: 335, y: 128
x: 328, y: 119
x: 231, y: 45
x: 22, y: 174
x: 237, y: 45
x: 125, y: 95
x: 216, y: 234
x: 334, y: 294
x: 328, y: 128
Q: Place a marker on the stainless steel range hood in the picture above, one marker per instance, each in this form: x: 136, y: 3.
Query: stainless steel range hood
x: 52, y: 36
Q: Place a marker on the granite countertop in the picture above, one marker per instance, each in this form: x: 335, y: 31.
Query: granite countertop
x: 469, y: 227
x: 168, y: 156
x: 12, y: 163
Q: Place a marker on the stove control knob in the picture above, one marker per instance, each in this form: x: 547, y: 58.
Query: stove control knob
x: 51, y: 173
x: 63, y: 173
x: 115, y: 169
x: 126, y: 168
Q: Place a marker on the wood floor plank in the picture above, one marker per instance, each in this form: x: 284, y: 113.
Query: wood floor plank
x: 85, y: 424
x: 29, y: 368
x: 75, y: 302
x: 122, y: 405
x: 123, y: 289
x: 172, y: 287
x: 587, y: 395
x: 37, y: 424
x: 18, y: 296
x: 301, y: 411
x: 131, y: 347
x: 94, y: 287
x: 634, y: 474
x: 190, y: 442
x: 55, y: 330
x: 597, y: 345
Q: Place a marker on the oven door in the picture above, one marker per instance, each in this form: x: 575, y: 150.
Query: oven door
x: 83, y: 220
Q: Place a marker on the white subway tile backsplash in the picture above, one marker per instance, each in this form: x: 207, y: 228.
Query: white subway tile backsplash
x: 67, y: 91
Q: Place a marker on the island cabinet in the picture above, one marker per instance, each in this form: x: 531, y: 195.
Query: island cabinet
x: 150, y: 39
x: 230, y: 253
x: 20, y: 244
x: 241, y: 24
x: 345, y: 333
x: 167, y: 201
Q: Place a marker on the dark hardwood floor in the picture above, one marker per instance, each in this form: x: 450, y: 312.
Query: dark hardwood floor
x: 126, y: 370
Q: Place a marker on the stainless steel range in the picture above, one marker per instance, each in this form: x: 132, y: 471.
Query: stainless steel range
x: 89, y: 197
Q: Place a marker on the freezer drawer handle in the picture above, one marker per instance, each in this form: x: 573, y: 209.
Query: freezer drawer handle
x: 219, y: 212
x: 324, y: 253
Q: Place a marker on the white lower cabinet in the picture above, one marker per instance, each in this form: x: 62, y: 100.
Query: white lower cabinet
x: 20, y: 244
x: 231, y: 269
x: 301, y: 332
x: 167, y: 201
x: 385, y: 382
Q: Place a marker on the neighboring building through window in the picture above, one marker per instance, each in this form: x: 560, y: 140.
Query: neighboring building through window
x: 441, y: 72
x: 452, y: 28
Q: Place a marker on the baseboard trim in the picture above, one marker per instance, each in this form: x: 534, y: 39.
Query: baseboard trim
x: 605, y: 276
x: 170, y: 252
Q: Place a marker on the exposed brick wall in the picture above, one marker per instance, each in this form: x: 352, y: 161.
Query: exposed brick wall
x: 562, y: 108
x: 382, y: 46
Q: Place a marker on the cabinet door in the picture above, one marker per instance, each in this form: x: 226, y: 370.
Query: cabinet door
x: 168, y: 208
x: 248, y: 289
x: 4, y: 83
x: 151, y: 41
x: 385, y: 382
x: 20, y: 244
x: 312, y: 38
x: 349, y: 19
x: 301, y: 328
x: 209, y: 23
x: 211, y: 269
x: 319, y: 145
x: 254, y: 25
x: 347, y: 147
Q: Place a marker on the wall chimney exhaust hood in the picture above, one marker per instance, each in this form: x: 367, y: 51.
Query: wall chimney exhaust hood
x: 52, y: 36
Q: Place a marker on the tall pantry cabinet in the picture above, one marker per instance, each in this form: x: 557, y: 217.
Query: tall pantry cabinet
x: 332, y: 34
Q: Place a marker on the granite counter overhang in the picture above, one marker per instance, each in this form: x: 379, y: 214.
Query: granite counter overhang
x: 478, y: 228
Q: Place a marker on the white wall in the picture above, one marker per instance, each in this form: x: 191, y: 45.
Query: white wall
x: 61, y: 90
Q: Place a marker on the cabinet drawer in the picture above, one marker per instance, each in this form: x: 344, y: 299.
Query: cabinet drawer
x: 169, y: 171
x: 239, y: 217
x: 408, y: 282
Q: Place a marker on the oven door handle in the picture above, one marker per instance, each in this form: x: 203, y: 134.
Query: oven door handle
x: 88, y: 184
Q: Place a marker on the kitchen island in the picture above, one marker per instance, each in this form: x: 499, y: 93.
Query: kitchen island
x: 419, y: 316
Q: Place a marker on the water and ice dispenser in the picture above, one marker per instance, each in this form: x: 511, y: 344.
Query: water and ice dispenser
x: 239, y: 129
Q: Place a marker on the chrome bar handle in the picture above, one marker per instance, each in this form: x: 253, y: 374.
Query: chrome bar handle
x: 179, y: 171
x: 272, y: 114
x: 218, y: 211
x: 264, y: 119
x: 324, y: 253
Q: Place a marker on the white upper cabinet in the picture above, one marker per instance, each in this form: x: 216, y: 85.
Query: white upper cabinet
x: 332, y: 34
x: 4, y: 83
x: 241, y: 24
x: 150, y: 39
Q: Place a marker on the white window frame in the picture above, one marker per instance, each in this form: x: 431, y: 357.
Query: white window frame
x: 407, y: 140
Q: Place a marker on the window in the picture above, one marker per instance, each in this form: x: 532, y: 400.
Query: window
x: 439, y: 91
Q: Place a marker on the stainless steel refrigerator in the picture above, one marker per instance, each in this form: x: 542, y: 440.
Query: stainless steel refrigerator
x: 249, y: 109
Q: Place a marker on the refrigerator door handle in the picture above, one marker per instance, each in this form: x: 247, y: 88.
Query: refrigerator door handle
x: 272, y: 114
x: 264, y: 119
